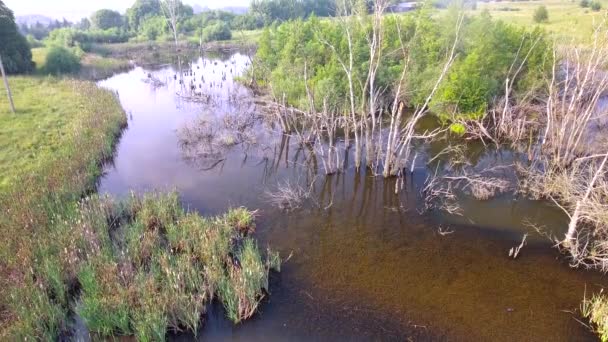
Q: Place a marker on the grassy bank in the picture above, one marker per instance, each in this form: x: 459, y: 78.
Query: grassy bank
x: 138, y: 267
x: 51, y: 152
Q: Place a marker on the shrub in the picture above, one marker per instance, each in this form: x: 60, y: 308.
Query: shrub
x: 584, y: 3
x: 596, y: 6
x: 217, y: 31
x: 541, y: 14
x: 60, y: 60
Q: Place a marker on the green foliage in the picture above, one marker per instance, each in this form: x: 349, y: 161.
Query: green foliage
x: 33, y: 42
x: 216, y: 32
x: 596, y: 310
x: 104, y: 19
x: 596, y: 6
x: 489, y: 50
x: 458, y: 128
x: 585, y: 3
x: 153, y: 27
x: 249, y: 21
x: 69, y: 37
x: 486, y: 51
x: 14, y: 49
x: 83, y: 24
x: 141, y: 11
x: 60, y: 60
x: 541, y: 14
x: 282, y: 10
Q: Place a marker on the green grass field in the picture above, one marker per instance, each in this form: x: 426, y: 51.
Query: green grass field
x: 567, y: 19
x: 47, y: 109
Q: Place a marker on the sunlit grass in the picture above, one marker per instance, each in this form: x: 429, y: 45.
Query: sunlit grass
x: 567, y: 20
x: 48, y: 113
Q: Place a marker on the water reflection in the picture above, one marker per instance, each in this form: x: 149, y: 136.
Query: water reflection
x: 366, y: 265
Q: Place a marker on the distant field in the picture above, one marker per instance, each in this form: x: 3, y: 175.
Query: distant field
x: 567, y: 20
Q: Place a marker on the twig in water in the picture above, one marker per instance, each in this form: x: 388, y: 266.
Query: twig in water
x: 514, y: 251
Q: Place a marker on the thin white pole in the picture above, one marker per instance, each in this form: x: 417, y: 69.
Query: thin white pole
x: 8, y: 89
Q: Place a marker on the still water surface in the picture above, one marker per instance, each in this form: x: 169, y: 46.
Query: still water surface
x: 366, y: 264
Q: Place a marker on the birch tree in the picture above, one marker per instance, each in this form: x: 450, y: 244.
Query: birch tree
x: 171, y: 9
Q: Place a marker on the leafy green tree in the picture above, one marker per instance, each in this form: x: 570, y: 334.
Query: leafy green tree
x: 84, y: 24
x: 153, y: 27
x: 282, y: 10
x: 541, y: 15
x: 140, y: 11
x: 104, y: 19
x: 14, y: 49
x: 218, y: 31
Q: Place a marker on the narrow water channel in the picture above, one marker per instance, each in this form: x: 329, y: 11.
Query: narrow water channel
x: 365, y: 263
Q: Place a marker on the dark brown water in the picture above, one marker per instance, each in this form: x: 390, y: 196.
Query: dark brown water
x: 366, y: 264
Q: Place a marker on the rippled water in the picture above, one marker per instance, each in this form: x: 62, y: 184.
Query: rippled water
x: 365, y: 263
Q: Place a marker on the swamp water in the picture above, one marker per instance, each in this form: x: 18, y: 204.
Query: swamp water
x: 365, y: 263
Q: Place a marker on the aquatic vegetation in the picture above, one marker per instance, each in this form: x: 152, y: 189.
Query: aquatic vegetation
x: 596, y: 310
x: 133, y: 279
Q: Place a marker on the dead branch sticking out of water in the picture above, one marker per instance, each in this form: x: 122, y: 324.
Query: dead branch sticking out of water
x: 439, y: 195
x: 289, y: 196
x: 481, y: 187
x: 514, y: 251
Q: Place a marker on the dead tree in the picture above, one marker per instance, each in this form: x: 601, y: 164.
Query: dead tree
x: 574, y: 218
x: 8, y: 88
x: 370, y: 93
x: 401, y: 141
x: 171, y: 10
x: 347, y: 64
x: 575, y: 89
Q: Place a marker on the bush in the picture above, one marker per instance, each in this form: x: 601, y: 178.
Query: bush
x: 60, y: 60
x: 541, y: 14
x: 584, y: 3
x: 596, y: 6
x: 217, y: 31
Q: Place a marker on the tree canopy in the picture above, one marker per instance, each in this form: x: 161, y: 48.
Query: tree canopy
x: 104, y: 19
x: 14, y: 49
x: 140, y: 11
x: 282, y: 10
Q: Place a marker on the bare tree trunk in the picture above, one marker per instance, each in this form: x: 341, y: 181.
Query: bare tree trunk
x: 570, y: 235
x: 171, y: 11
x: 8, y: 88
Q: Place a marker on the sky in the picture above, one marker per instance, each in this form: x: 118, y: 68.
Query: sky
x: 76, y: 9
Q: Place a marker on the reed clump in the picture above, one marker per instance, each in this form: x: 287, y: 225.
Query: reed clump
x: 156, y: 267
